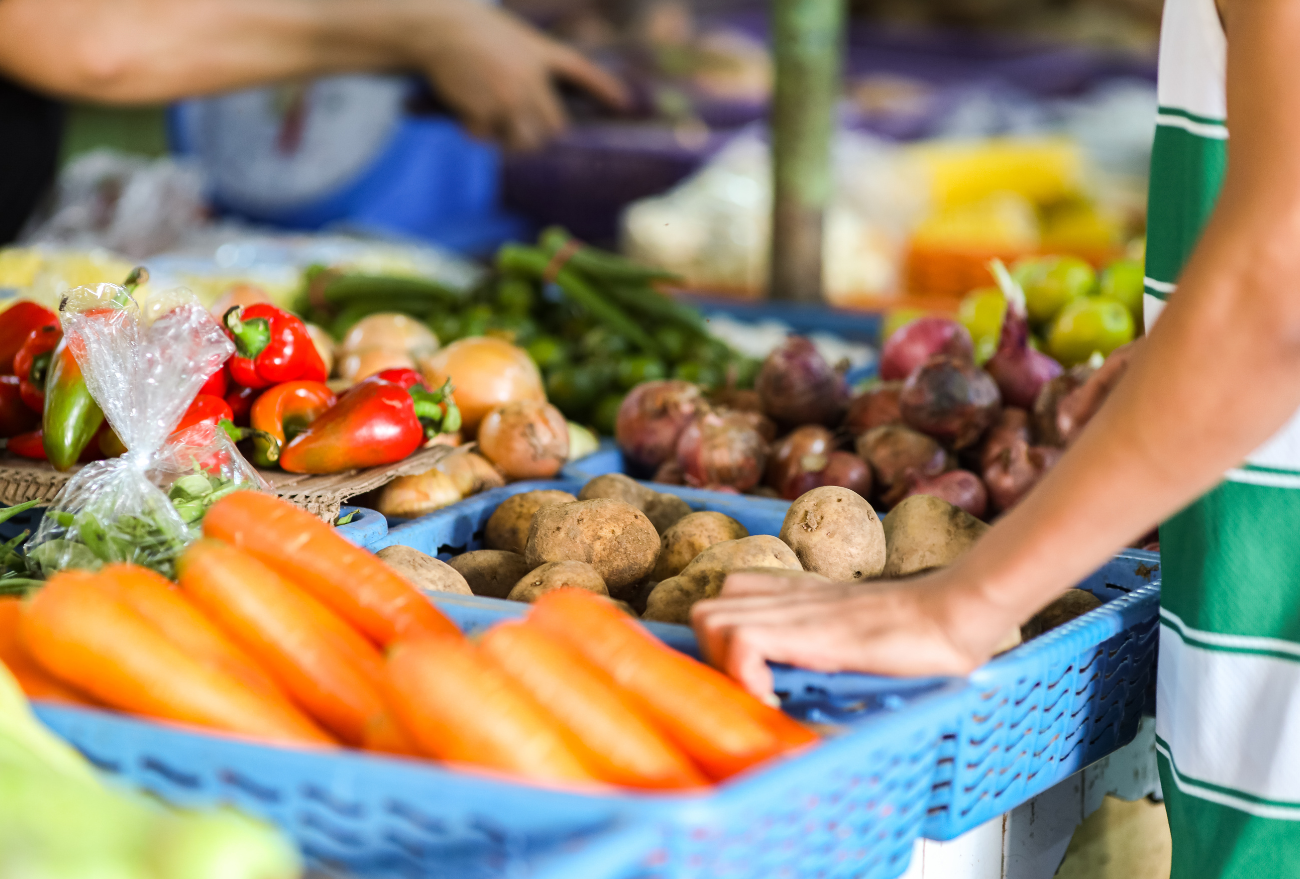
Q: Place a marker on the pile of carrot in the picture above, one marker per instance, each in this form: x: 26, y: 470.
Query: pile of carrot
x: 280, y: 630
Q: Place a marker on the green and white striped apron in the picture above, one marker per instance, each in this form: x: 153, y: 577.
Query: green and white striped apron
x: 1228, y: 695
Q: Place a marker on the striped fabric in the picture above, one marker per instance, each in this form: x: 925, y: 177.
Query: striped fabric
x: 1228, y: 694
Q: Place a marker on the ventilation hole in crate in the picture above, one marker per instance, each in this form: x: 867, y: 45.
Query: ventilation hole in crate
x: 101, y: 763
x: 175, y: 776
x: 451, y: 550
x: 1119, y: 588
x: 410, y: 847
x: 250, y: 787
x: 494, y: 832
x: 338, y: 807
x: 1032, y: 690
x: 344, y: 838
x: 979, y: 743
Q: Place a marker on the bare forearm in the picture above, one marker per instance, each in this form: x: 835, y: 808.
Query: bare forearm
x: 157, y: 50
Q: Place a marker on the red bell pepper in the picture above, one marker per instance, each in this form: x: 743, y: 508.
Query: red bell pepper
x: 32, y: 364
x: 16, y: 324
x: 15, y: 415
x: 241, y: 402
x: 283, y: 412
x: 271, y: 347
x: 217, y: 383
x: 28, y: 445
x: 376, y: 422
x: 407, y: 378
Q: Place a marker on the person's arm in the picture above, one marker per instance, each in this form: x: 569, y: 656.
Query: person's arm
x: 489, y: 66
x: 1219, y: 374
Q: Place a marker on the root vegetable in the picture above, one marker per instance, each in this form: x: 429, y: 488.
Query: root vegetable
x: 925, y: 532
x: 836, y: 533
x: 961, y: 488
x: 619, y: 487
x: 917, y: 341
x: 790, y: 457
x: 1072, y: 605
x: 797, y: 386
x: 507, y: 527
x: 409, y: 497
x: 486, y: 373
x: 582, y: 442
x: 950, y: 399
x: 391, y: 331
x: 896, y: 453
x: 652, y: 417
x: 525, y: 440
x: 695, y: 533
x: 324, y: 343
x: 491, y: 573
x: 844, y: 469
x: 1012, y: 426
x: 666, y: 510
x: 363, y: 364
x: 671, y: 600
x: 470, y: 473
x: 1019, y: 371
x: 669, y: 473
x: 1075, y: 409
x: 721, y: 450
x: 873, y: 408
x: 557, y: 575
x: 1015, y: 470
x: 613, y: 537
x: 1046, y: 426
x: 425, y: 571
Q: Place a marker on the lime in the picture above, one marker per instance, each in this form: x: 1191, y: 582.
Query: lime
x: 705, y: 349
x: 1050, y: 282
x: 515, y: 296
x: 547, y: 352
x: 981, y: 314
x: 605, y: 415
x: 634, y: 370
x: 1087, y: 325
x: 1122, y: 281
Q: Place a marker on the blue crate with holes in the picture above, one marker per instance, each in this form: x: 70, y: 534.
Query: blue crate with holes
x: 1039, y: 713
x: 1047, y: 709
x: 851, y: 806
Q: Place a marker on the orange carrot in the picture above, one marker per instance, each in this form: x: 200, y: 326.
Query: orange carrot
x: 157, y: 600
x: 83, y: 636
x: 460, y: 707
x: 704, y: 712
x: 325, y: 665
x: 614, y: 738
x: 36, y: 683
x: 385, y: 735
x: 351, y: 581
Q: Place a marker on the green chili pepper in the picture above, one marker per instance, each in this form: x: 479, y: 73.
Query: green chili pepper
x: 72, y: 418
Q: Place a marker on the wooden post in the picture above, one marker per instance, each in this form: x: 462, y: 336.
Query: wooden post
x: 807, y: 38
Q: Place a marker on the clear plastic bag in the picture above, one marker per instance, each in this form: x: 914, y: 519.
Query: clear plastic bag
x: 144, y: 371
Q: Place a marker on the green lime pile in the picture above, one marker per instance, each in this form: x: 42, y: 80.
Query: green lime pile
x: 1074, y: 312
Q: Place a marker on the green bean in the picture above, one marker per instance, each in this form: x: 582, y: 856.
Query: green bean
x: 600, y: 264
x: 652, y: 303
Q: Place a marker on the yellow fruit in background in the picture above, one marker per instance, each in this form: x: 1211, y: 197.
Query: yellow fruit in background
x: 981, y: 313
x: 1003, y: 221
x: 1050, y: 282
x: 1041, y: 170
x: 1087, y: 325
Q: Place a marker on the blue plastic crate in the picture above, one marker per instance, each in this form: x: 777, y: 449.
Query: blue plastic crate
x: 1053, y: 706
x: 852, y: 806
x: 1039, y: 713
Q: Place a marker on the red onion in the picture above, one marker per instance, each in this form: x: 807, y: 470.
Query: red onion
x: 1017, y: 469
x: 844, y: 469
x: 788, y: 455
x: 1019, y: 370
x: 961, y: 488
x: 734, y: 398
x: 760, y: 422
x: 669, y: 473
x: 797, y: 386
x: 1011, y: 427
x: 874, y: 407
x: 721, y: 450
x: 917, y: 341
x: 896, y: 454
x: 1077, y: 407
x: 652, y: 418
x: 950, y: 399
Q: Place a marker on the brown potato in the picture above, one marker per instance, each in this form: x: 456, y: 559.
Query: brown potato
x: 557, y: 575
x: 835, y: 533
x: 409, y: 497
x: 1073, y: 604
x: 491, y: 573
x: 925, y: 532
x: 671, y: 600
x: 666, y: 510
x: 425, y: 571
x: 508, y: 526
x: 619, y: 487
x: 471, y: 473
x: 692, y: 535
x: 612, y: 536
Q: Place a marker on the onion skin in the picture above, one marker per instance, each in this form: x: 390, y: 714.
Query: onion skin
x: 1019, y: 371
x: 1076, y: 408
x: 961, y: 488
x: 525, y: 440
x: 765, y: 426
x: 653, y: 416
x: 897, y: 454
x: 1011, y: 427
x: 739, y: 400
x: 811, y: 440
x: 950, y: 399
x: 486, y: 373
x: 1017, y: 469
x: 915, y: 342
x: 721, y: 450
x: 1049, y: 401
x: 840, y: 468
x: 797, y: 386
x: 874, y: 407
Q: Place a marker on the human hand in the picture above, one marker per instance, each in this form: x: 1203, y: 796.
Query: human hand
x: 498, y: 74
x: 927, y: 625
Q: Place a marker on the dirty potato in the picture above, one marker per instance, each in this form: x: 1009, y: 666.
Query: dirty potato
x: 692, y: 535
x: 1072, y: 605
x: 491, y: 573
x: 925, y: 532
x: 663, y: 510
x: 612, y: 536
x: 425, y: 571
x: 835, y: 533
x: 508, y: 526
x: 557, y: 575
x: 671, y: 600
